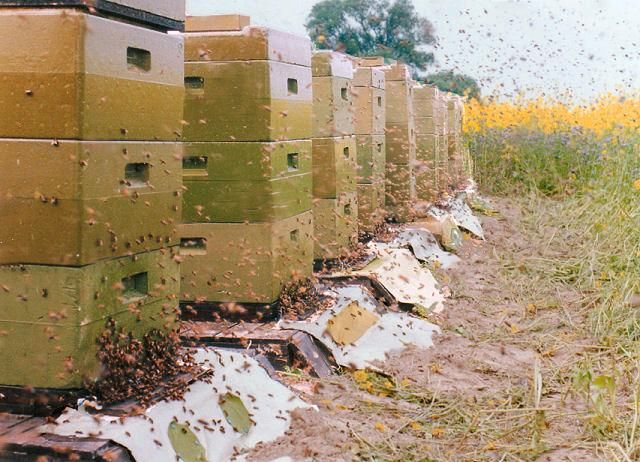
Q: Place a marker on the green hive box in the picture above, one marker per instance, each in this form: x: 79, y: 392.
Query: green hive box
x: 238, y: 182
x: 371, y: 158
x: 247, y: 101
x: 399, y: 95
x: 244, y: 262
x: 334, y: 166
x: 100, y: 199
x: 369, y: 101
x: 65, y: 74
x: 333, y: 105
x: 371, y: 206
x: 400, y: 191
x: 52, y: 315
x: 335, y: 225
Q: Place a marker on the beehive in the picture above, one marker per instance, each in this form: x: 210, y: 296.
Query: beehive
x: 334, y: 166
x: 335, y: 225
x: 426, y: 104
x: 333, y: 109
x: 52, y: 315
x: 252, y: 84
x: 254, y: 182
x: 370, y: 109
x: 65, y: 74
x: 247, y: 169
x: 244, y: 262
x: 100, y: 199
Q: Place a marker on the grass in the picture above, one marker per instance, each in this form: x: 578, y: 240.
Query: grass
x: 546, y: 314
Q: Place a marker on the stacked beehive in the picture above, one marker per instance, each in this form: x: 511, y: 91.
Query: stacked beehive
x: 89, y: 186
x: 401, y: 143
x: 442, y: 162
x: 425, y: 99
x: 455, y: 108
x: 247, y: 214
x: 335, y: 201
x: 370, y: 105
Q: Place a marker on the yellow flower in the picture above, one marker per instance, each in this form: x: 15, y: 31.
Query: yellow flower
x: 380, y: 426
x: 636, y: 184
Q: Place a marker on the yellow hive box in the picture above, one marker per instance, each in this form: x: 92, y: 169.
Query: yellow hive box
x: 249, y: 44
x: 247, y: 101
x: 401, y: 143
x: 100, y: 199
x: 238, y: 182
x: 334, y: 166
x: 371, y: 158
x: 333, y: 109
x: 335, y: 225
x: 244, y: 262
x: 400, y: 191
x: 371, y: 206
x: 71, y: 75
x: 369, y: 101
x: 52, y: 315
x: 223, y: 22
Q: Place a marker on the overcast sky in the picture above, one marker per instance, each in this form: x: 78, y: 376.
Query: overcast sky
x: 586, y: 47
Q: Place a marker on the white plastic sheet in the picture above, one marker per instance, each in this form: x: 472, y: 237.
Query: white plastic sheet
x: 393, y: 331
x: 146, y: 436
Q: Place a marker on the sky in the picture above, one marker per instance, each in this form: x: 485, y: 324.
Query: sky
x: 511, y: 47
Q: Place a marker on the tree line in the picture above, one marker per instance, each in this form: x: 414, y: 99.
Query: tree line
x: 393, y: 30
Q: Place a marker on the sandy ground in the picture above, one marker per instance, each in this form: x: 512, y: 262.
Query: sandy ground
x: 471, y: 396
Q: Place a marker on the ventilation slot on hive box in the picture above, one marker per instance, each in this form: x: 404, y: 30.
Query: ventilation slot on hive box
x: 138, y: 59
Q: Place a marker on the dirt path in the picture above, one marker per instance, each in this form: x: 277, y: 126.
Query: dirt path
x: 472, y: 396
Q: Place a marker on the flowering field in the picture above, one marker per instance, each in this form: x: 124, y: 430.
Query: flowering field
x: 576, y: 172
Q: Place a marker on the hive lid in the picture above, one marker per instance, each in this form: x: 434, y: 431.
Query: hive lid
x: 217, y: 23
x: 331, y: 64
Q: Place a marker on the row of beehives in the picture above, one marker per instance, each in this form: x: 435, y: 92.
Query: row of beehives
x: 278, y: 161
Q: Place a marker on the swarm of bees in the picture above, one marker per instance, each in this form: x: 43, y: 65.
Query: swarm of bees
x: 133, y: 368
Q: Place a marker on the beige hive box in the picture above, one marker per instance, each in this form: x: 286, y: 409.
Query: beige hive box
x: 399, y: 94
x: 369, y: 101
x: 218, y: 23
x: 335, y: 225
x: 244, y: 262
x: 425, y: 170
x: 401, y: 143
x: 104, y: 199
x: 238, y: 182
x: 371, y: 158
x: 66, y: 74
x: 333, y: 108
x: 245, y: 83
x: 442, y: 166
x: 371, y: 206
x: 168, y: 14
x: 53, y: 315
x: 247, y: 101
x: 425, y: 100
x: 334, y: 166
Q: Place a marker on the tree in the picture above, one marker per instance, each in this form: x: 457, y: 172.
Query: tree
x: 373, y: 28
x: 455, y: 83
